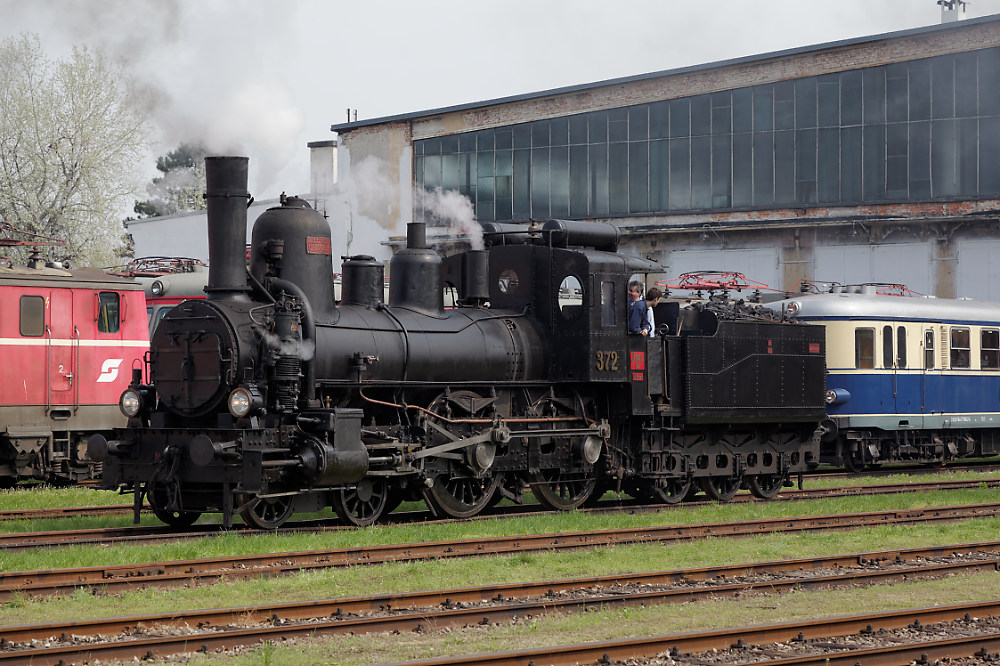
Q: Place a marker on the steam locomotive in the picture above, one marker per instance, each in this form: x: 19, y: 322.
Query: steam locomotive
x: 267, y: 398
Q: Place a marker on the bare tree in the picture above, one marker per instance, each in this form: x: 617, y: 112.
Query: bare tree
x: 73, y: 133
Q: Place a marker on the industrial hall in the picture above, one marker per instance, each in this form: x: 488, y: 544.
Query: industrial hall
x: 866, y: 160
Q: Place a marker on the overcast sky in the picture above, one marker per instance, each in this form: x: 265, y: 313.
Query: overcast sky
x: 263, y: 78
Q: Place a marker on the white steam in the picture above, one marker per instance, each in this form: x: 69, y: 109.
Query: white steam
x: 449, y: 209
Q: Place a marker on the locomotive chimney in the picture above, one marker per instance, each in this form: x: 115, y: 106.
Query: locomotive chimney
x: 226, y: 200
x: 415, y: 280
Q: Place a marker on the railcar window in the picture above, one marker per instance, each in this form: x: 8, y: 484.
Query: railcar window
x: 960, y: 348
x: 887, y: 360
x: 901, y: 347
x: 864, y: 348
x: 989, y: 349
x: 570, y: 297
x: 32, y: 316
x: 929, y: 350
x: 108, y: 312
x: 607, y: 303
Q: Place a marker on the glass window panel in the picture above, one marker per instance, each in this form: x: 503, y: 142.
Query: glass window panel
x: 897, y: 159
x: 805, y: 166
x: 484, y: 189
x: 484, y: 164
x: 418, y: 171
x: 599, y: 127
x: 432, y: 171
x: 638, y: 123
x: 618, y: 125
x: 763, y: 168
x: 784, y: 167
x: 504, y: 162
x: 989, y: 148
x: 522, y: 136
x: 680, y: 118
x: 559, y: 182
x: 608, y: 308
x: 680, y: 174
x: 763, y: 108
x: 701, y: 172
x: 659, y: 173
x: 467, y: 142
x: 449, y: 144
x: 805, y: 103
x: 943, y: 87
x: 485, y: 140
x: 968, y: 156
x: 449, y: 171
x: 559, y: 131
x: 32, y: 316
x: 618, y: 177
x: 522, y: 184
x: 989, y: 349
x: 828, y: 165
x: 722, y: 162
x: 828, y: 96
x: 920, y: 160
x: 873, y: 97
x: 864, y: 348
x: 701, y: 115
x: 504, y: 188
x: 638, y: 177
x: 784, y: 105
x: 418, y: 147
x: 503, y: 209
x: 109, y: 312
x: 896, y: 95
x: 742, y: 170
x: 432, y: 146
x: 599, y: 178
x: 920, y: 90
x: 960, y: 348
x: 578, y: 183
x: 504, y: 138
x: 578, y: 129
x: 887, y: 356
x: 742, y: 110
x: 989, y: 74
x: 929, y: 350
x: 900, y: 347
x: 722, y: 111
x: 850, y: 164
x: 874, y: 162
x: 539, y: 134
x: 944, y: 158
x: 540, y: 182
x: 484, y: 211
x: 966, y: 89
x: 659, y: 120
x: 850, y: 98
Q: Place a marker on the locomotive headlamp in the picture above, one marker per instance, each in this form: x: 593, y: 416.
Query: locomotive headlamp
x: 130, y: 402
x: 792, y: 309
x: 243, y: 401
x: 156, y: 288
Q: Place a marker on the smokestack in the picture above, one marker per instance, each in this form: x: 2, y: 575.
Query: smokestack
x: 226, y: 200
x: 952, y: 10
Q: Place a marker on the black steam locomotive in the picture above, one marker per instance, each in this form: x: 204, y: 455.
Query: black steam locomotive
x: 267, y: 398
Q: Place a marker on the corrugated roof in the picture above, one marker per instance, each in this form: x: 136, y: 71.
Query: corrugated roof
x: 344, y: 127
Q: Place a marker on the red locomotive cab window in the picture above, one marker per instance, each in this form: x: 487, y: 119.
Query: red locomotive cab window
x: 108, y: 312
x: 32, y: 321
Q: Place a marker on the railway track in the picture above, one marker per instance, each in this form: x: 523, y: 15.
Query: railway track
x: 153, y: 635
x: 152, y: 534
x: 116, y: 578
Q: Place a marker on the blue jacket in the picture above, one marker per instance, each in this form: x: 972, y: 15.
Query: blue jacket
x: 637, y: 320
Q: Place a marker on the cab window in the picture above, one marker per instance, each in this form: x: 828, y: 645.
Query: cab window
x: 108, y: 312
x: 864, y: 348
x: 32, y: 322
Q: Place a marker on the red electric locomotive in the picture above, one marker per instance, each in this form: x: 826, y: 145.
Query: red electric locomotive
x: 69, y: 340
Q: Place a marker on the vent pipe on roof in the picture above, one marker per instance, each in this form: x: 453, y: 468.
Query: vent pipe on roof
x: 952, y: 10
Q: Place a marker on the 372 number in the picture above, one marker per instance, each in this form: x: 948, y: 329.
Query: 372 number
x: 607, y: 361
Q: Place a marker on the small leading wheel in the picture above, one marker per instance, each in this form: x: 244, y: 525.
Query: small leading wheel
x: 765, y: 486
x: 559, y: 492
x: 462, y: 497
x: 158, y: 495
x: 363, y: 504
x: 673, y: 490
x: 268, y: 513
x: 720, y: 488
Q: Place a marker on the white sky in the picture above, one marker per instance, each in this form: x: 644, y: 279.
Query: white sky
x: 263, y: 78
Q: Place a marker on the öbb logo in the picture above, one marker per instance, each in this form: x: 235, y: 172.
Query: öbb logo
x: 109, y: 371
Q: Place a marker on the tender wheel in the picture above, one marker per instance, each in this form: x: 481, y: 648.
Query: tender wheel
x: 765, y: 486
x: 720, y: 488
x: 363, y: 504
x: 555, y: 491
x: 158, y: 496
x: 462, y: 497
x: 269, y: 513
x: 673, y: 490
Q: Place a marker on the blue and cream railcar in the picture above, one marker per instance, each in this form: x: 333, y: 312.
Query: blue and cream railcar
x: 909, y: 378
